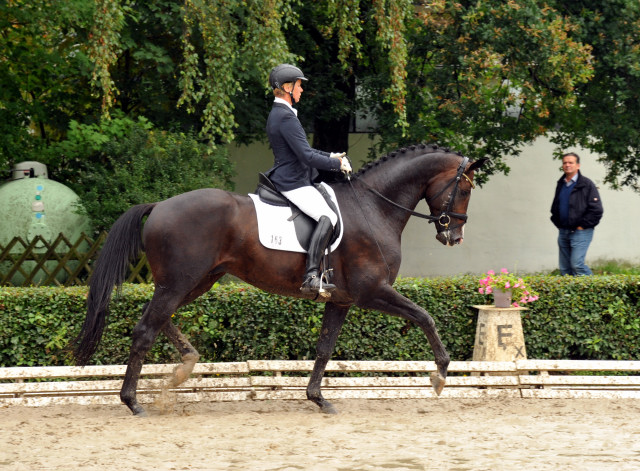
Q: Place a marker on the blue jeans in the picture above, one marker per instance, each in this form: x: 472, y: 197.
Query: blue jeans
x: 573, y: 247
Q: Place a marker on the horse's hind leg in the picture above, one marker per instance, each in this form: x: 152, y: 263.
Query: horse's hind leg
x: 332, y: 322
x: 189, y: 354
x: 155, y: 316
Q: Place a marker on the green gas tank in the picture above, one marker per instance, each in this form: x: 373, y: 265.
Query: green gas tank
x: 32, y: 205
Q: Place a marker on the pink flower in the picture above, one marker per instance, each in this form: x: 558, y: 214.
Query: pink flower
x: 505, y: 281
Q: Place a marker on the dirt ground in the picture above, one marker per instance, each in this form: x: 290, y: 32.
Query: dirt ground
x: 444, y: 434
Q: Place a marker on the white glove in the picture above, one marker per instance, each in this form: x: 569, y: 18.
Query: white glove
x: 335, y: 155
x: 345, y: 165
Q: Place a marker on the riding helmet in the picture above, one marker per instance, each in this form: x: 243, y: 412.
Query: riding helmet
x: 284, y: 73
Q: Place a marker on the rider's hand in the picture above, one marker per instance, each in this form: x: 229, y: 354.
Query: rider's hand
x: 345, y: 165
x: 336, y: 155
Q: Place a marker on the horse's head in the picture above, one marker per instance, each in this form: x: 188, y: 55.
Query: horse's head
x: 448, y: 198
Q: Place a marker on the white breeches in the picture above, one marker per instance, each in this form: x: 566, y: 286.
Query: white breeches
x: 311, y: 202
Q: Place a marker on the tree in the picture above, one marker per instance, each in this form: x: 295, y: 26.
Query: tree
x: 44, y: 73
x: 483, y: 77
x: 486, y: 77
x: 605, y: 117
x: 121, y: 162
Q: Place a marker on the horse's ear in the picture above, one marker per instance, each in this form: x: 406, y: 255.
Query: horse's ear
x: 477, y: 164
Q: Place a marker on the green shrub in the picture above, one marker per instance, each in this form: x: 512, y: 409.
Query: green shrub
x: 121, y: 162
x: 576, y: 318
x: 594, y: 317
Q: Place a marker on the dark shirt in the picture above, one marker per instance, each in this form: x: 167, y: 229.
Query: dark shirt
x: 563, y: 203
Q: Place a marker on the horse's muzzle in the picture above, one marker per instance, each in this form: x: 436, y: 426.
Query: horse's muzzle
x: 450, y: 238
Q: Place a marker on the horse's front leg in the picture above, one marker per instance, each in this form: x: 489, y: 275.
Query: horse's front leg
x: 332, y: 322
x: 390, y: 301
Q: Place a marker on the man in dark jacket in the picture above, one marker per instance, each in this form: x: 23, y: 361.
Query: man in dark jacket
x: 296, y: 166
x: 575, y: 211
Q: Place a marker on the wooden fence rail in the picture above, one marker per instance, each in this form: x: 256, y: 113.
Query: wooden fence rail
x: 270, y: 380
x: 61, y: 262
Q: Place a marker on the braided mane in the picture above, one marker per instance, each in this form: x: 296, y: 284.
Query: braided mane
x: 427, y: 148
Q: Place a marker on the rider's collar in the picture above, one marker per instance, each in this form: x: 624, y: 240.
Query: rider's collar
x: 285, y: 102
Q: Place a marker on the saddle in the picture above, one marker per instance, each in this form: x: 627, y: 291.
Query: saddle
x: 304, y: 225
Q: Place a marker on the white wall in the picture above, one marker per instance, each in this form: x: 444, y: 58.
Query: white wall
x: 508, y: 222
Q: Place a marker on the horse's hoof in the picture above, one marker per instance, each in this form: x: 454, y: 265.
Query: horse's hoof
x: 437, y: 381
x: 328, y: 408
x: 138, y: 411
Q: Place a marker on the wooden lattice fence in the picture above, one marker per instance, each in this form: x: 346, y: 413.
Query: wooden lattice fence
x: 61, y: 262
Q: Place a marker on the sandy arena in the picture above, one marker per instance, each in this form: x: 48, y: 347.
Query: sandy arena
x: 448, y: 434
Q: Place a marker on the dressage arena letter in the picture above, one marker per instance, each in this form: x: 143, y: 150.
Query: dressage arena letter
x: 502, y: 335
x: 481, y: 333
x: 499, y: 335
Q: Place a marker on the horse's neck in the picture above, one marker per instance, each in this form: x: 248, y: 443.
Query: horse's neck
x: 405, y: 180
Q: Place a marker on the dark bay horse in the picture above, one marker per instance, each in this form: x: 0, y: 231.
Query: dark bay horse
x: 193, y: 239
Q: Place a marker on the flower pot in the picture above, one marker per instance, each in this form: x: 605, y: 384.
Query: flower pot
x: 501, y: 298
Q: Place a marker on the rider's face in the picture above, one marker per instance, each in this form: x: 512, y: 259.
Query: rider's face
x: 297, y: 90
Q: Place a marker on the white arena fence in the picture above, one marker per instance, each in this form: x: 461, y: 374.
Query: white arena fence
x: 270, y: 380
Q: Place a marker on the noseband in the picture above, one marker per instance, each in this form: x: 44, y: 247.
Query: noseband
x: 444, y: 218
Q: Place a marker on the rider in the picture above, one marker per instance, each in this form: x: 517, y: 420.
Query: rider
x: 295, y: 164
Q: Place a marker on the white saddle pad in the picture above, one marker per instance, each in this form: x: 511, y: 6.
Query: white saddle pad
x: 277, y: 232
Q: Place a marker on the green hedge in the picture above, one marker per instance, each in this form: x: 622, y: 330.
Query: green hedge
x: 579, y: 318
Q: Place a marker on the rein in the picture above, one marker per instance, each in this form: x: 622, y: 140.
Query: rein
x: 444, y: 218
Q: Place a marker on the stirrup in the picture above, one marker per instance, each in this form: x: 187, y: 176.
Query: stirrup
x: 315, y: 284
x: 326, y: 288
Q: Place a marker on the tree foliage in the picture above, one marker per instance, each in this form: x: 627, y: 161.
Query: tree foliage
x: 483, y: 76
x: 121, y: 162
x: 604, y: 118
x: 44, y: 72
x: 489, y: 76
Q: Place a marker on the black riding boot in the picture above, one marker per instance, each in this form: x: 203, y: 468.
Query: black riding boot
x: 319, y: 241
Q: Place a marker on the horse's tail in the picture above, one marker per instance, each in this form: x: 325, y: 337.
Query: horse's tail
x: 123, y: 244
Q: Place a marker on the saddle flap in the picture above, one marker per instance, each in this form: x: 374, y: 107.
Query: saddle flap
x: 282, y: 226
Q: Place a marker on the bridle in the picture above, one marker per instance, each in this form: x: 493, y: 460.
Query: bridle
x: 444, y: 218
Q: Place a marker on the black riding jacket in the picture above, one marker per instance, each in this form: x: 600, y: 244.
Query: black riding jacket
x: 585, y: 206
x: 295, y: 162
